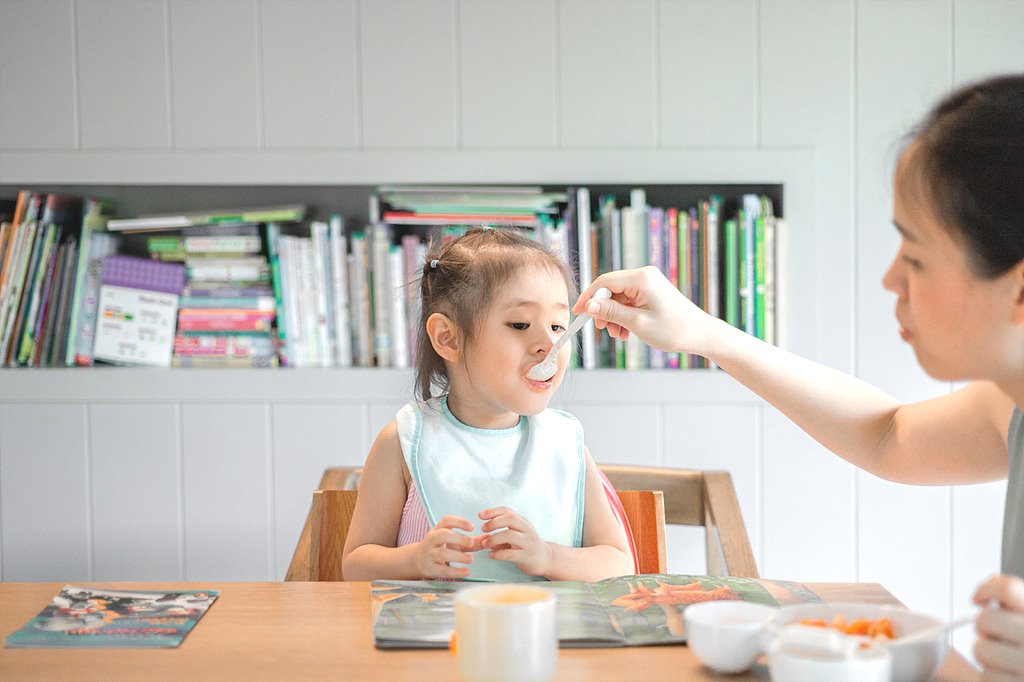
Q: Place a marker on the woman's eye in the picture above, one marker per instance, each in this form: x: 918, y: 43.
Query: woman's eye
x: 912, y: 262
x: 519, y: 326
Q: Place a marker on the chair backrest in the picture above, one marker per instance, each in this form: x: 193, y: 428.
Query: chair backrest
x: 698, y: 498
x: 645, y: 513
x: 331, y: 515
x: 689, y: 497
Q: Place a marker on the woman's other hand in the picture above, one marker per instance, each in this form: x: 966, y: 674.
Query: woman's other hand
x: 1000, y: 625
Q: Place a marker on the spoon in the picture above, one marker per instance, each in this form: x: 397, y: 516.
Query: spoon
x: 546, y: 368
x: 933, y: 630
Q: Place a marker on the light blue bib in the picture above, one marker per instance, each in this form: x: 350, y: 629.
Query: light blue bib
x: 536, y: 468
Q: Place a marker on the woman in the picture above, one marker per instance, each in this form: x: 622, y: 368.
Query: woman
x: 959, y: 282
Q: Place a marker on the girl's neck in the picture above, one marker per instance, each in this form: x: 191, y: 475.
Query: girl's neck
x: 474, y: 414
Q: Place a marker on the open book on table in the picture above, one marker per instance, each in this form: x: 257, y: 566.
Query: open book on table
x: 630, y: 610
x: 100, y: 617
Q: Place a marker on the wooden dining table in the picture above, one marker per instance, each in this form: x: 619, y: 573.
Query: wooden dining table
x: 323, y: 631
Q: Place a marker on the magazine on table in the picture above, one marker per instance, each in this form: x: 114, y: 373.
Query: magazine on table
x: 99, y: 617
x: 632, y: 610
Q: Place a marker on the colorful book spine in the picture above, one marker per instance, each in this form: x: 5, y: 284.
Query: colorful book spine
x: 339, y: 287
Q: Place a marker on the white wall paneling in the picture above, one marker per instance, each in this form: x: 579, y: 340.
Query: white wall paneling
x: 37, y: 77
x: 805, y: 94
x: 310, y: 68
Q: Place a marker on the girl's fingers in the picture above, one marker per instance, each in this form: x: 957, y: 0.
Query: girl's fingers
x: 457, y: 522
x: 503, y: 539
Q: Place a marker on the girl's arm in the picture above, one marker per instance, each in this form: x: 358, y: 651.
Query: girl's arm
x: 370, y: 551
x: 956, y: 438
x: 605, y: 551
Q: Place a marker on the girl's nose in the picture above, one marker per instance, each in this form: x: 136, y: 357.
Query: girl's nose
x: 544, y: 341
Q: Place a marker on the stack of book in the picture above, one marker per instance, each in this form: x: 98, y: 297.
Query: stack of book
x: 227, y: 310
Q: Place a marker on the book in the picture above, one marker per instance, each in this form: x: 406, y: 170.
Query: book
x: 94, y: 245
x: 104, y: 618
x: 632, y: 610
x: 243, y: 216
x: 338, y: 248
x: 138, y: 303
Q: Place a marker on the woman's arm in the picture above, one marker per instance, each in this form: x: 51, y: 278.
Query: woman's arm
x: 370, y: 551
x: 956, y: 438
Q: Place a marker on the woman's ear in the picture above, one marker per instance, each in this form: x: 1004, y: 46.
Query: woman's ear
x: 1017, y: 275
x: 444, y: 336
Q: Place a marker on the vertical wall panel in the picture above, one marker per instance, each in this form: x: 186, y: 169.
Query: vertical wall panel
x: 378, y: 415
x: 620, y: 434
x: 227, y: 492
x: 988, y: 38
x: 44, y: 519
x: 408, y: 74
x: 136, y: 498
x: 607, y: 73
x: 37, y: 83
x: 901, y: 70
x: 811, y: 106
x: 507, y: 67
x: 808, y: 493
x: 122, y: 66
x: 707, y: 84
x: 214, y: 61
x: 308, y: 438
x: 719, y: 437
x: 310, y: 93
x: 889, y: 101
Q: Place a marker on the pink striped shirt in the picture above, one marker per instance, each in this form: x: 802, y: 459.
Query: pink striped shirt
x: 414, y: 525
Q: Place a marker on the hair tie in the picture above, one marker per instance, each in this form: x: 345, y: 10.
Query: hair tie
x: 433, y: 264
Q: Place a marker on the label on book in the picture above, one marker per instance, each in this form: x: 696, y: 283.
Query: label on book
x: 135, y: 326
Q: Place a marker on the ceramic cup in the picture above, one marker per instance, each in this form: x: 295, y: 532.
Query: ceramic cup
x: 725, y: 635
x: 506, y: 632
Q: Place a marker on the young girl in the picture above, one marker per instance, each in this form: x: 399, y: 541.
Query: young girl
x: 959, y: 284
x: 484, y: 482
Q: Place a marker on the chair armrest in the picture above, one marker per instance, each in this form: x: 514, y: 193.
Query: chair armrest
x: 728, y: 546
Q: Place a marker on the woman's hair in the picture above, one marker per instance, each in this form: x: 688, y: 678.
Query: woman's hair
x: 968, y: 160
x: 459, y: 280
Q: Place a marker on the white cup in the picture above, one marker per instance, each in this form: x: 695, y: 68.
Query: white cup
x: 506, y: 632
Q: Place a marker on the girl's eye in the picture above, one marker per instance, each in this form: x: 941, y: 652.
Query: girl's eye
x: 557, y: 328
x: 519, y: 326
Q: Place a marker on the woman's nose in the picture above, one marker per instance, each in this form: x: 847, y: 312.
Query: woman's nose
x: 893, y: 279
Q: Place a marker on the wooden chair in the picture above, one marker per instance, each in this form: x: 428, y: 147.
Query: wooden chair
x: 689, y: 497
x: 331, y: 514
x: 698, y: 498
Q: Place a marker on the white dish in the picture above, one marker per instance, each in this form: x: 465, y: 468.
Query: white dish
x: 912, y: 662
x: 810, y: 654
x: 726, y: 635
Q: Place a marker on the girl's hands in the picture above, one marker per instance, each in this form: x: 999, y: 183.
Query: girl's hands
x: 519, y: 543
x: 1000, y: 625
x: 645, y: 303
x: 443, y: 546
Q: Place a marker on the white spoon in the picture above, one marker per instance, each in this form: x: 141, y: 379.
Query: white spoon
x: 933, y: 630
x: 546, y: 368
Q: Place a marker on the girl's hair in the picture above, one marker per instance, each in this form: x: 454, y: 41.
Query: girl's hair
x: 460, y: 279
x: 969, y: 162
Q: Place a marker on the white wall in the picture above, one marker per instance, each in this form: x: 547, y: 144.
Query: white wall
x: 251, y: 91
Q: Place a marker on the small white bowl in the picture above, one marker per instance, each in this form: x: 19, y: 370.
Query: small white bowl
x: 726, y: 635
x: 913, y: 662
x: 809, y: 654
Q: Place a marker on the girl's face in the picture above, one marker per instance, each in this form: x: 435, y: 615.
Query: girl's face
x: 960, y: 326
x: 489, y: 388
